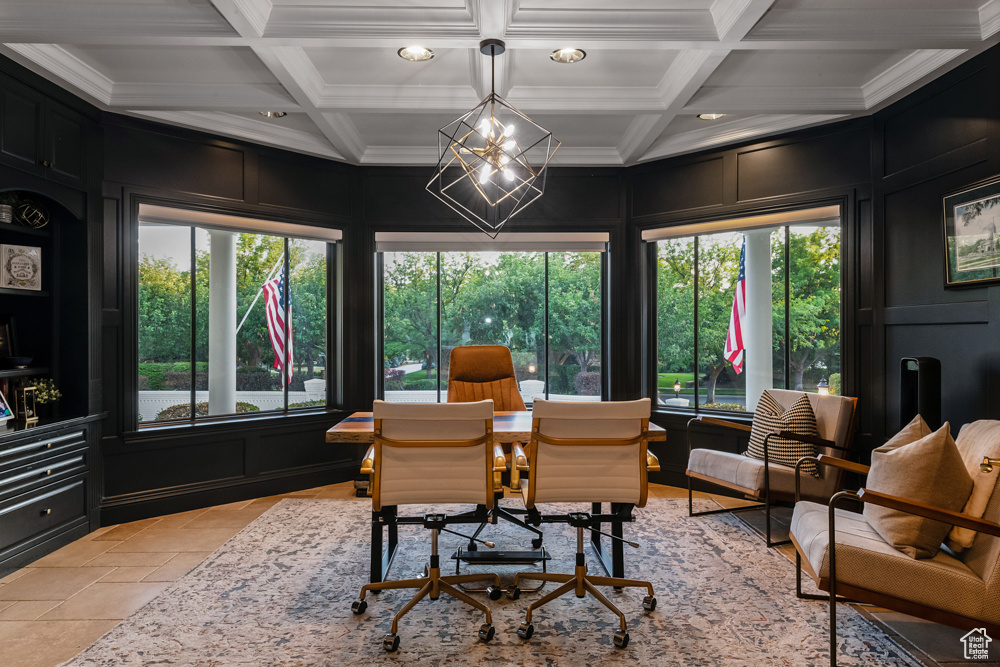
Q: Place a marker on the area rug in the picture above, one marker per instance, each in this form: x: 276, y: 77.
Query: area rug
x: 280, y: 592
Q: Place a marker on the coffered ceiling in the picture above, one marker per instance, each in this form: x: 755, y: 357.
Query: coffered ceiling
x: 651, y: 66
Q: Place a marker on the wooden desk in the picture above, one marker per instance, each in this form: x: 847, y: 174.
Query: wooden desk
x: 508, y: 427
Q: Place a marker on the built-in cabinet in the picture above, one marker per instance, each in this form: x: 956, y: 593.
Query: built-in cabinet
x: 47, y: 490
x: 40, y: 135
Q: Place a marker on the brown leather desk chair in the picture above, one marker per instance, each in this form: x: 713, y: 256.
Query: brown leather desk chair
x: 478, y: 372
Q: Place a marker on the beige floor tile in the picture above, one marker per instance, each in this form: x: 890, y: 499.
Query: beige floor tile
x: 179, y: 520
x: 238, y: 505
x: 52, y: 583
x: 97, y: 533
x: 14, y: 576
x: 124, y: 531
x: 178, y: 566
x: 105, y: 601
x: 152, y: 559
x: 175, y: 540
x: 234, y: 518
x: 5, y: 603
x: 27, y: 610
x: 338, y: 492
x: 47, y: 643
x: 124, y: 574
x: 75, y: 554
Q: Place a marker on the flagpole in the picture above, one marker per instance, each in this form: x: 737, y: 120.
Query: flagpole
x: 270, y: 275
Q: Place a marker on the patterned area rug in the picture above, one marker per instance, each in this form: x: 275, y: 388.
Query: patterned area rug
x: 279, y: 593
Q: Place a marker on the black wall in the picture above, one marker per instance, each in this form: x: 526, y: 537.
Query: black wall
x: 888, y: 173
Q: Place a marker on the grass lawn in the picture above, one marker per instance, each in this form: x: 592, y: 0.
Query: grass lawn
x: 667, y: 380
x: 420, y: 380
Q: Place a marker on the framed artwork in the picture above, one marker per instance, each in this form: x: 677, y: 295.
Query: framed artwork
x: 972, y: 234
x: 20, y: 267
x: 5, y: 411
x: 8, y: 337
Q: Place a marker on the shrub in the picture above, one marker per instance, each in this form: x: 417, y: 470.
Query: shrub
x: 426, y: 384
x: 393, y: 379
x: 735, y: 407
x: 181, y: 380
x: 307, y: 404
x: 253, y: 379
x: 183, y: 411
x: 587, y: 384
x: 834, y: 383
x: 143, y: 383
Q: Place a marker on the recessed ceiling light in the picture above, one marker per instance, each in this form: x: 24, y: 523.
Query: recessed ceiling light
x: 711, y: 116
x: 417, y: 54
x: 273, y: 114
x: 568, y: 56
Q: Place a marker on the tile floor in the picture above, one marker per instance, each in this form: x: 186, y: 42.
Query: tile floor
x: 60, y: 604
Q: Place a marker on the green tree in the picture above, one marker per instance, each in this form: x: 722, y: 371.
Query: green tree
x: 575, y: 308
x: 814, y: 302
x: 164, y: 311
x: 308, y: 293
x: 410, y: 307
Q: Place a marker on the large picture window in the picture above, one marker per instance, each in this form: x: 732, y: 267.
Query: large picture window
x: 545, y: 306
x: 229, y: 322
x: 789, y: 324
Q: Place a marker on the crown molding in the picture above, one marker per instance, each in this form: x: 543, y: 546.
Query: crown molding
x: 348, y: 139
x: 989, y: 19
x: 908, y: 70
x: 776, y: 100
x: 936, y: 28
x: 256, y: 12
x: 732, y: 132
x: 428, y: 156
x: 56, y: 60
x: 392, y: 98
x: 261, y: 132
x: 203, y: 96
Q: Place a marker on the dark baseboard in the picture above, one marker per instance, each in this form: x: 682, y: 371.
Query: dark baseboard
x: 160, y: 502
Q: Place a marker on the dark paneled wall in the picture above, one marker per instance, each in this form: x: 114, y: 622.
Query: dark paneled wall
x: 149, y: 472
x: 828, y: 165
x: 939, y: 139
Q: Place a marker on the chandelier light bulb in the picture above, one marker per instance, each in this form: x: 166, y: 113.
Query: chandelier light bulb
x: 510, y: 145
x: 508, y: 174
x: 504, y: 159
x: 509, y: 131
x: 484, y: 175
x: 484, y: 126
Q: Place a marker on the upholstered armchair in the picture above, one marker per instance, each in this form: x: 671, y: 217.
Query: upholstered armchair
x: 585, y: 452
x: 476, y: 372
x: 960, y: 589
x: 432, y: 453
x: 762, y: 479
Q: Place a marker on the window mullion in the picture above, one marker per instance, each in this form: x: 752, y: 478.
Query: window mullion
x: 697, y: 365
x: 437, y: 371
x: 788, y: 301
x: 194, y: 324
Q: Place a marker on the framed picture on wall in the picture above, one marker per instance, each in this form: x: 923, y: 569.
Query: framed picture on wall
x: 5, y: 411
x: 20, y: 267
x: 972, y: 234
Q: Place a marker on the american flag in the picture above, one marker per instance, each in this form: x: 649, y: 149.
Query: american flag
x: 274, y: 312
x: 734, y: 337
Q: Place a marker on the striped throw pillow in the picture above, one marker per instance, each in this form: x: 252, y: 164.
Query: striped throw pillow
x: 769, y: 417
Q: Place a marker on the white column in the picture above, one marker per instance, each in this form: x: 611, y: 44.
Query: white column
x: 222, y: 323
x: 757, y: 332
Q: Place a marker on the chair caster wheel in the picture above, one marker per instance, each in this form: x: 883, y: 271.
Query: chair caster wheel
x: 472, y: 546
x: 390, y: 642
x: 526, y: 630
x: 494, y: 592
x: 513, y: 592
x: 486, y: 632
x: 536, y: 543
x: 649, y: 603
x: 359, y: 606
x: 621, y: 639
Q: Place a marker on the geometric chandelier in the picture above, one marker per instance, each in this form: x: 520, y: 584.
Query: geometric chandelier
x: 492, y: 158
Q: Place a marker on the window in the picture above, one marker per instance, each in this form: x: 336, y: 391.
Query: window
x: 791, y: 325
x: 212, y: 307
x: 545, y: 306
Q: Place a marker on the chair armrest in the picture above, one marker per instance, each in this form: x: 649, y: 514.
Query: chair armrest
x: 520, y: 461
x: 808, y: 439
x: 368, y: 463
x: 930, y: 512
x: 712, y: 421
x: 652, y: 462
x: 499, y: 460
x: 843, y: 464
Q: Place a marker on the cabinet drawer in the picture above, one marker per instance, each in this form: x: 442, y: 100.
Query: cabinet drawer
x: 41, y: 472
x: 45, y: 509
x: 41, y: 449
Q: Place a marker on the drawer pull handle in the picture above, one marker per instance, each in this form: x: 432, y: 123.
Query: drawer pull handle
x: 48, y: 472
x: 48, y: 445
x: 46, y: 512
x: 46, y: 163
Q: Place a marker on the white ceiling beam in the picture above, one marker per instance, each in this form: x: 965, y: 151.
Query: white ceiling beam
x: 685, y: 76
x: 776, y: 99
x: 989, y: 19
x: 735, y: 18
x: 203, y: 96
x: 56, y: 60
x: 567, y: 156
